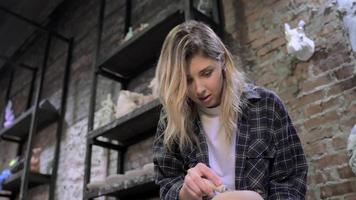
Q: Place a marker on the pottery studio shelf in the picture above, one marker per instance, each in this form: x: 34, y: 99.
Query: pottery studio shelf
x: 131, y: 127
x: 13, y: 183
x: 135, y: 55
x: 138, y: 184
x: 19, y: 130
x: 129, y: 58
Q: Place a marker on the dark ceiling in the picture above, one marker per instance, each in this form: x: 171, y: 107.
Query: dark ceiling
x: 14, y: 32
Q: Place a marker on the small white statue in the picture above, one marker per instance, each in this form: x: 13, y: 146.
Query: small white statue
x: 106, y: 113
x: 129, y: 34
x: 129, y: 101
x: 205, y: 6
x: 348, y: 10
x: 153, y: 86
x: 299, y: 45
x: 35, y: 159
x: 351, y: 149
x: 9, y: 115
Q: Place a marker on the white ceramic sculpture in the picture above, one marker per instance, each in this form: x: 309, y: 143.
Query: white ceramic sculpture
x: 35, y: 159
x: 128, y: 35
x: 351, y: 149
x: 299, y: 44
x: 205, y: 6
x: 153, y: 86
x: 9, y: 115
x: 106, y: 113
x: 129, y: 101
x: 348, y: 9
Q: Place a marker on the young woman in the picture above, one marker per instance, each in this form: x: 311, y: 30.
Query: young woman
x: 216, y: 130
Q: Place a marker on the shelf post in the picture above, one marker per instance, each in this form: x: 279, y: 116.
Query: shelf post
x: 88, y: 152
x: 34, y: 121
x: 60, y: 124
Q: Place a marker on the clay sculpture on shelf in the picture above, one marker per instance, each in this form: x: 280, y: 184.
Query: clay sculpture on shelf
x: 35, y: 159
x: 351, y: 149
x: 9, y: 115
x: 129, y: 101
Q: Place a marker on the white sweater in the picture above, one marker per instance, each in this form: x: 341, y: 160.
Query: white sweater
x: 221, y: 154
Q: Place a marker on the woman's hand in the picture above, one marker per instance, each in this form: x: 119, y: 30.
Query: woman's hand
x: 195, y: 186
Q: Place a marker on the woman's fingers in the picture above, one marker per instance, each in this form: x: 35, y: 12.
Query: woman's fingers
x: 191, y: 185
x: 196, y: 181
x: 188, y: 194
x: 209, y: 174
x: 195, y: 185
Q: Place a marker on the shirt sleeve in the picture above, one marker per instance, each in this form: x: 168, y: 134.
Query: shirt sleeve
x: 168, y: 168
x: 289, y: 169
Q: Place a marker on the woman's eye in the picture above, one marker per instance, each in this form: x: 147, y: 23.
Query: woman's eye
x: 207, y: 74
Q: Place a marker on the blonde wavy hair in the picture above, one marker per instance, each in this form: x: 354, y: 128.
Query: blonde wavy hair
x: 182, y: 43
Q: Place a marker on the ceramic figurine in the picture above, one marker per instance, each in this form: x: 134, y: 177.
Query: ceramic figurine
x: 351, y: 149
x: 348, y: 10
x: 205, y: 6
x: 129, y: 101
x: 106, y: 113
x: 35, y: 159
x: 153, y: 87
x: 9, y: 115
x: 299, y: 45
x: 129, y: 34
x: 6, y: 173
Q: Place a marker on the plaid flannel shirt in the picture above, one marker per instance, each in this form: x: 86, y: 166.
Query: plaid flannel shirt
x: 269, y: 158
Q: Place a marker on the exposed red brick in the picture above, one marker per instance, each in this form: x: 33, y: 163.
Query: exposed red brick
x: 310, y: 195
x: 311, y: 84
x: 348, y: 121
x: 317, y: 134
x: 342, y: 86
x: 321, y: 120
x: 323, y: 176
x: 255, y: 35
x: 315, y: 149
x: 267, y: 77
x: 351, y: 196
x: 350, y: 95
x: 301, y: 69
x: 321, y: 106
x: 307, y: 99
x: 344, y: 72
x: 253, y: 16
x: 345, y: 172
x: 266, y: 38
x: 339, y: 143
x: 331, y: 62
x: 331, y: 160
x: 338, y: 189
x: 278, y: 43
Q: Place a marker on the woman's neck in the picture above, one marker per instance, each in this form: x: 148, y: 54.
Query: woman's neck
x: 209, y: 111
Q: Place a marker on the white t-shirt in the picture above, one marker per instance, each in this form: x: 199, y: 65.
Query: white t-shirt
x: 221, y: 153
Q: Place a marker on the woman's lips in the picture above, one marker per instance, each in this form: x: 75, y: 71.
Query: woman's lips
x: 205, y: 99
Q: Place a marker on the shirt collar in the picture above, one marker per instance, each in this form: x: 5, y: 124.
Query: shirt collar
x: 250, y: 92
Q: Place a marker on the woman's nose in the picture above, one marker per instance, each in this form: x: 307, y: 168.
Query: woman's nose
x: 199, y: 88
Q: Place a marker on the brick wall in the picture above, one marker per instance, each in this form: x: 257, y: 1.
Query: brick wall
x: 319, y: 94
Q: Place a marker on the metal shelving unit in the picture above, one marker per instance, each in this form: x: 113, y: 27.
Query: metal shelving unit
x: 126, y: 62
x: 36, y: 117
x: 18, y: 132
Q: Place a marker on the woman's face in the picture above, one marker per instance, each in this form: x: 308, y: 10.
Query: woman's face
x: 205, y: 81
